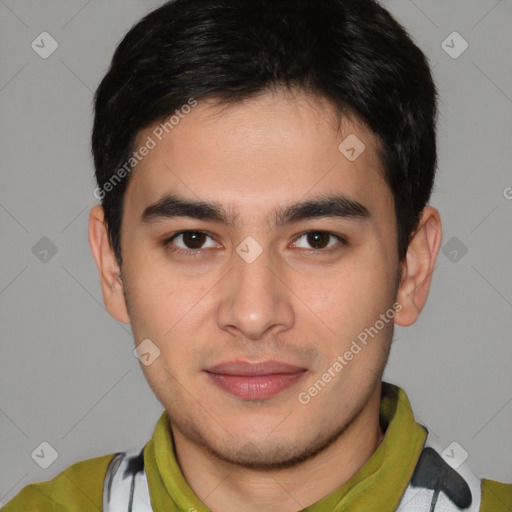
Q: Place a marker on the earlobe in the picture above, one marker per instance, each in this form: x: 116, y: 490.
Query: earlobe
x: 110, y: 274
x: 418, y: 267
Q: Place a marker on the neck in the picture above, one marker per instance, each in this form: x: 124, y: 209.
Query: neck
x: 225, y: 487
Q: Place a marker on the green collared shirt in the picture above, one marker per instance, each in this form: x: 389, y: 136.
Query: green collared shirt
x: 377, y: 487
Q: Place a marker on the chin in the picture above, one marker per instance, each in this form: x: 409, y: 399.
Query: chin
x: 261, y: 454
x: 265, y: 450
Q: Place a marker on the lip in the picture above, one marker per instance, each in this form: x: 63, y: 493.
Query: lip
x: 255, y: 381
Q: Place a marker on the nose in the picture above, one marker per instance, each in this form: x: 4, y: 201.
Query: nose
x: 255, y: 299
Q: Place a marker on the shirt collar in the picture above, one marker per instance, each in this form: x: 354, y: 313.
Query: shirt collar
x: 378, y: 485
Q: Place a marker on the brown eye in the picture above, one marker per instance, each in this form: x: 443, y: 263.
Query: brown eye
x: 193, y: 239
x: 319, y: 241
x: 191, y: 243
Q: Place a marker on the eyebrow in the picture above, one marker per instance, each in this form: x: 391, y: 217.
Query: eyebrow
x: 336, y: 206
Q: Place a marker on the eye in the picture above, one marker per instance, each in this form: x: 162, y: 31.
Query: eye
x: 193, y: 241
x: 319, y: 240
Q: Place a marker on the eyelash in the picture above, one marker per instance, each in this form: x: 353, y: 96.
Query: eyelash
x: 342, y: 240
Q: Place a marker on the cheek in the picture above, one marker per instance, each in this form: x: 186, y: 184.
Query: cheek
x: 349, y: 300
x: 156, y: 300
x: 169, y: 307
x: 358, y: 288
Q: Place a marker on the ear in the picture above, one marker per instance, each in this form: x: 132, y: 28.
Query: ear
x: 110, y: 274
x: 418, y: 267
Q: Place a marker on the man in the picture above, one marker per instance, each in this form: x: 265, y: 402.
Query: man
x: 264, y: 170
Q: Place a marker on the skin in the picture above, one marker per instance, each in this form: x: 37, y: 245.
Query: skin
x: 294, y: 303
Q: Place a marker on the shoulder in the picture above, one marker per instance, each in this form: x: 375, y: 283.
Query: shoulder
x: 79, y: 487
x: 496, y: 496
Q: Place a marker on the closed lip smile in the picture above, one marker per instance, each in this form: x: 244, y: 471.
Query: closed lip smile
x: 254, y: 381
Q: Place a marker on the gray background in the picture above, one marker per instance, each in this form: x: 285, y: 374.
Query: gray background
x: 68, y: 375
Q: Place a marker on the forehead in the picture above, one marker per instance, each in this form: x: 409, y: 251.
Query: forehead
x: 275, y: 147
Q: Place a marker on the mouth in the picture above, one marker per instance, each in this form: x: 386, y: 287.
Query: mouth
x: 255, y: 381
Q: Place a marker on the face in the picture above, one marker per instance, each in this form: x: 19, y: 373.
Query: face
x: 252, y: 303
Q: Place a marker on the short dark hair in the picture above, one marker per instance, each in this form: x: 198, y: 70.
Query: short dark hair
x: 351, y: 52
